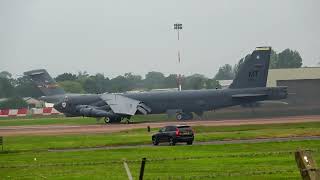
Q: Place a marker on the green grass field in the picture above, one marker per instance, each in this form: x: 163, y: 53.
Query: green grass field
x: 241, y: 161
x: 72, y: 121
x: 27, y: 157
x: 141, y: 136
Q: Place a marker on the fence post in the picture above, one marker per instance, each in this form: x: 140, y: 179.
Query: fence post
x: 143, y: 163
x: 1, y: 142
x: 127, y: 170
x: 307, y: 165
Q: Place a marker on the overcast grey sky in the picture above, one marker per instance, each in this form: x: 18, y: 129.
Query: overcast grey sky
x: 114, y: 37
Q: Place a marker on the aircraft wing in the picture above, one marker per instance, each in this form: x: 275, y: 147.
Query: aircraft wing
x: 123, y: 105
x: 248, y: 97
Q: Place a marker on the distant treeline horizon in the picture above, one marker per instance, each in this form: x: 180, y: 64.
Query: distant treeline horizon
x: 98, y: 83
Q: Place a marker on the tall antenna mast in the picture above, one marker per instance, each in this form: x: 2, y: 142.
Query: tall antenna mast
x: 178, y: 27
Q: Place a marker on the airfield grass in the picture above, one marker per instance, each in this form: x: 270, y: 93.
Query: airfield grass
x: 27, y: 157
x: 141, y: 136
x: 72, y: 120
x: 272, y: 160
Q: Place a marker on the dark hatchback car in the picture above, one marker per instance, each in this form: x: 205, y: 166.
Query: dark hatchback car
x: 174, y: 134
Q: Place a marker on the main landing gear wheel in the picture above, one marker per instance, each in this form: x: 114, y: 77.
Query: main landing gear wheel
x: 179, y: 116
x: 184, y: 116
x: 116, y: 120
x: 107, y: 120
x: 112, y: 120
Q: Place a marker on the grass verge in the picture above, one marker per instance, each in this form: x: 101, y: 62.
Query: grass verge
x: 242, y: 161
x: 141, y: 136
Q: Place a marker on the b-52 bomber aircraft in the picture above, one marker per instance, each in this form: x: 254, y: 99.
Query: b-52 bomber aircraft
x: 249, y: 86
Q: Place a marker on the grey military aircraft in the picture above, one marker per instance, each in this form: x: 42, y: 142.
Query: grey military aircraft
x: 249, y: 86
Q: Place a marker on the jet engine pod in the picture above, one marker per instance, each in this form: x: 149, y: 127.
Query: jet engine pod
x: 93, y: 112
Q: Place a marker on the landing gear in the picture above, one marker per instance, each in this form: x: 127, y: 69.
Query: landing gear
x: 184, y: 116
x: 179, y: 116
x: 199, y: 114
x: 112, y: 119
x: 106, y: 120
x: 188, y: 116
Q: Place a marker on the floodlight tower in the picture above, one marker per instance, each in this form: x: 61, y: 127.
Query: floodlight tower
x: 178, y: 27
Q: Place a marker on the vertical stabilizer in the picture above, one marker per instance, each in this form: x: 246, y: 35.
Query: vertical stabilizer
x: 44, y: 82
x: 254, y: 71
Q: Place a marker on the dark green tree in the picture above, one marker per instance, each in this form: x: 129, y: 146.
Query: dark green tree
x: 195, y: 81
x: 82, y: 76
x: 154, y: 80
x: 273, y: 60
x: 237, y: 66
x: 119, y: 84
x: 6, y: 88
x: 134, y: 81
x: 171, y: 81
x: 13, y: 103
x: 96, y: 84
x: 288, y: 59
x: 225, y: 73
x: 212, y: 84
x: 72, y: 86
x: 25, y: 88
x: 66, y: 77
x: 5, y: 74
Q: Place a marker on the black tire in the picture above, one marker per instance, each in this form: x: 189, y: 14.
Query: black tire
x: 107, y: 120
x: 179, y: 116
x: 118, y: 119
x: 189, y: 142
x: 115, y: 119
x: 184, y: 116
x: 155, y: 141
x: 172, y: 142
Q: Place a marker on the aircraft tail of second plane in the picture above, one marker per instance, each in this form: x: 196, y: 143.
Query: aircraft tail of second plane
x: 44, y: 82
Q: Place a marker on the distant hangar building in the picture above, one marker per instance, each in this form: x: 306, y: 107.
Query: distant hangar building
x: 303, y: 84
x: 306, y: 73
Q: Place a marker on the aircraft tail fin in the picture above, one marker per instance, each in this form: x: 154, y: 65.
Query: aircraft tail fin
x: 253, y: 72
x: 44, y: 82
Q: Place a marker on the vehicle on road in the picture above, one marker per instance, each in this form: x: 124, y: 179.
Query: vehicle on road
x: 174, y: 134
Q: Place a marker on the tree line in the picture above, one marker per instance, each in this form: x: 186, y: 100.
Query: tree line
x: 82, y: 82
x: 286, y: 59
x: 98, y: 83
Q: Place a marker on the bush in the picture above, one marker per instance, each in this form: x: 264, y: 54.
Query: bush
x: 13, y: 103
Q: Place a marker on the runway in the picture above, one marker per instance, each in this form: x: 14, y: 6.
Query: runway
x: 109, y: 128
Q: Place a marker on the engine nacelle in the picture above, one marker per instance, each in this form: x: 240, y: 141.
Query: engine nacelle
x: 93, y: 112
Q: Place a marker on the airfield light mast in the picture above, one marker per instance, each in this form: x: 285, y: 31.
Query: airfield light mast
x: 178, y: 27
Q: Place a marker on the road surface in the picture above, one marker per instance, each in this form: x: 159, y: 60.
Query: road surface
x: 109, y: 128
